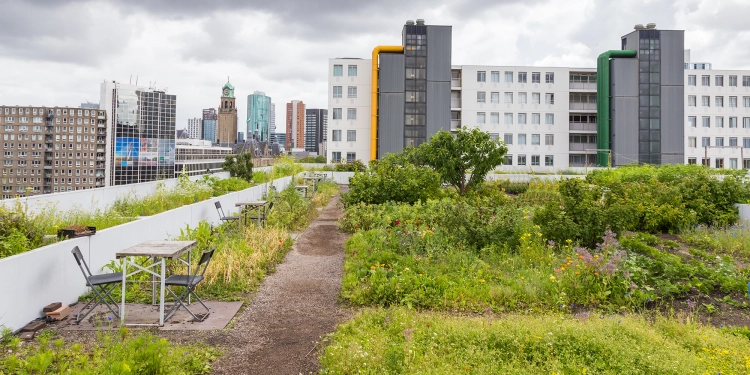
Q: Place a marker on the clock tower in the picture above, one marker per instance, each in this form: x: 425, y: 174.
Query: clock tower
x: 226, y: 131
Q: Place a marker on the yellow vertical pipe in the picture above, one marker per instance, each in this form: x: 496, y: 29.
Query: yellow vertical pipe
x: 374, y: 97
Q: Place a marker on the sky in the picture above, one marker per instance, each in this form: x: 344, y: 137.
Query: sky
x: 58, y: 52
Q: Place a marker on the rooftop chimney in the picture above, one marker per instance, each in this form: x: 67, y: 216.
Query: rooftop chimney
x: 638, y: 27
x: 409, y: 22
x: 651, y: 26
x: 420, y: 21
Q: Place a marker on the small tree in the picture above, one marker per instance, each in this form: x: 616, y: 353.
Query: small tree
x: 469, y: 151
x: 240, y: 165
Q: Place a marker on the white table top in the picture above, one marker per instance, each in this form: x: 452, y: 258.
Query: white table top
x: 251, y: 203
x: 161, y: 249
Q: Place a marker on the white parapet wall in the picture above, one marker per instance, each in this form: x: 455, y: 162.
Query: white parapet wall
x: 36, y: 278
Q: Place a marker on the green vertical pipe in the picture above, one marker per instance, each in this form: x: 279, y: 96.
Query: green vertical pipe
x: 602, y: 103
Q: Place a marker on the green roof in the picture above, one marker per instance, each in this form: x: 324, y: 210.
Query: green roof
x: 228, y: 86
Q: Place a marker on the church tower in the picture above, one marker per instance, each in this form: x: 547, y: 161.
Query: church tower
x: 227, y: 124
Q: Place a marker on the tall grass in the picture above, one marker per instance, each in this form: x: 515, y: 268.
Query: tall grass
x: 402, y: 341
x: 731, y: 240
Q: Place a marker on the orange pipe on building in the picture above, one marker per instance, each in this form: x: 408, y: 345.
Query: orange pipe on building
x: 374, y: 97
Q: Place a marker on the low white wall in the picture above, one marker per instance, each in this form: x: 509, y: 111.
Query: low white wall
x: 34, y: 279
x: 529, y: 177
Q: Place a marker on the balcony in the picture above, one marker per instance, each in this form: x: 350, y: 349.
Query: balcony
x: 99, y: 158
x: 582, y: 126
x: 455, y: 102
x: 100, y: 142
x: 589, y: 147
x: 455, y: 125
x: 101, y: 117
x: 582, y: 86
x: 455, y: 82
x: 583, y: 106
x: 100, y: 150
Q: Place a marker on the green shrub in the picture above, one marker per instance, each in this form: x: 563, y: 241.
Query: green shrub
x: 513, y: 187
x: 240, y: 165
x: 313, y: 159
x: 350, y: 166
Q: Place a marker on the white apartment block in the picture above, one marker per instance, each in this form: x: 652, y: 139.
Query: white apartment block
x: 717, y: 118
x: 349, y: 93
x: 194, y: 128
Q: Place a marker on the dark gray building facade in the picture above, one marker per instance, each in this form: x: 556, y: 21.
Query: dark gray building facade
x: 647, y: 99
x: 414, y: 88
x: 316, y: 121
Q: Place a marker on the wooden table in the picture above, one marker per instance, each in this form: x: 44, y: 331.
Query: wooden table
x: 314, y: 181
x: 248, y: 207
x: 158, y: 251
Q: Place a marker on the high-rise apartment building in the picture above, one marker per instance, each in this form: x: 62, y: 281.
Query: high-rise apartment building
x: 226, y: 131
x: 208, y: 125
x: 272, y: 125
x: 141, y: 124
x: 316, y: 120
x: 258, y: 116
x: 195, y: 128
x: 51, y: 149
x: 295, y: 124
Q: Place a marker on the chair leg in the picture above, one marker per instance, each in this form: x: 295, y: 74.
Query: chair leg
x: 179, y: 303
x: 98, y: 300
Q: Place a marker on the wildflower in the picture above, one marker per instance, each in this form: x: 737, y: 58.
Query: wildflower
x: 398, y: 222
x: 10, y: 351
x: 109, y: 318
x: 578, y: 273
x: 551, y: 243
x: 552, y: 278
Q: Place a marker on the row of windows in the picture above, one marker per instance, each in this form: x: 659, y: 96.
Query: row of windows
x: 549, y: 77
x: 336, y: 156
x: 718, y: 101
x: 58, y: 111
x: 719, y: 162
x: 549, y: 139
x: 351, y: 92
x: 351, y: 135
x: 718, y: 122
x: 351, y: 113
x: 508, y: 98
x: 718, y: 142
x: 718, y: 81
x: 549, y: 118
x: 549, y: 160
x: 338, y: 70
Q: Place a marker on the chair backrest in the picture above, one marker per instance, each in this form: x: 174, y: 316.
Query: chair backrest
x: 219, y: 209
x: 204, y: 261
x: 270, y: 206
x: 81, y: 262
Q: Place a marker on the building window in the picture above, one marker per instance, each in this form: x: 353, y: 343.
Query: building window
x: 495, y: 97
x: 352, y: 70
x: 733, y: 81
x: 521, y: 119
x: 691, y: 121
x: 549, y: 118
x: 522, y: 139
x: 495, y: 118
x: 549, y: 77
x: 481, y: 76
x: 692, y: 142
x: 495, y: 76
x: 508, y: 160
x: 733, y: 141
x: 746, y: 122
x: 338, y: 71
x: 719, y: 80
x: 494, y: 136
x: 337, y: 113
x: 508, y: 119
x: 691, y: 100
x: 705, y: 142
x: 706, y: 122
x: 719, y: 101
x: 535, y: 119
x: 691, y: 81
x: 522, y: 79
x: 733, y: 122
x: 746, y: 142
x: 534, y: 160
x: 521, y: 98
x: 351, y: 113
x: 549, y: 160
x: 719, y: 142
x: 480, y: 117
x: 481, y: 96
x: 337, y: 135
x: 719, y: 163
x: 549, y: 139
x: 719, y: 122
x: 337, y: 92
x: 536, y: 98
x: 351, y: 135
x: 508, y: 138
x: 536, y: 77
x: 705, y: 80
x: 549, y: 98
x: 508, y: 77
x: 746, y: 101
x: 733, y: 163
x: 732, y: 101
x: 508, y: 98
x: 705, y: 101
x: 336, y: 156
x: 352, y: 92
x: 521, y: 159
x: 745, y: 81
x: 535, y: 139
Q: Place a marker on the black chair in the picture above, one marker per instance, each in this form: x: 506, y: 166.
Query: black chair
x: 102, y: 285
x: 225, y: 218
x: 189, y: 282
x: 262, y: 217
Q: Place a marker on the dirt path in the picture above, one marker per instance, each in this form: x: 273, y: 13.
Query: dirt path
x: 281, y: 329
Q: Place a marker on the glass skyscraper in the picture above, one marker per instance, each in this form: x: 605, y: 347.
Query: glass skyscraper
x: 258, y: 116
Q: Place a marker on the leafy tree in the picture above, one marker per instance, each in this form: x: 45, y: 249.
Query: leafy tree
x: 469, y: 151
x: 240, y: 165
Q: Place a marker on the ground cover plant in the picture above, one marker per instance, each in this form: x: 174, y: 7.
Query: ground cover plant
x: 116, y: 352
x: 402, y: 341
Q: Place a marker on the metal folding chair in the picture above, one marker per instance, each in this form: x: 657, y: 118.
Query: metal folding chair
x: 102, y: 285
x: 225, y: 218
x: 189, y: 282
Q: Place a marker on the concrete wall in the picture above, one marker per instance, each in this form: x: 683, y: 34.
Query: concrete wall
x: 50, y: 274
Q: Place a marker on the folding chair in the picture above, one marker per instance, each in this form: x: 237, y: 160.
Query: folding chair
x: 262, y: 217
x: 189, y: 282
x: 100, y: 284
x: 224, y: 218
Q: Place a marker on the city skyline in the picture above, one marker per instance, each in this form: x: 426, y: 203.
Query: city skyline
x: 290, y: 57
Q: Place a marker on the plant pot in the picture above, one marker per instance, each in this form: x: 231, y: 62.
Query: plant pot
x: 71, y: 233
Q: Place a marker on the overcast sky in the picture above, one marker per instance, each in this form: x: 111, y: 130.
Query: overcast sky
x: 57, y: 52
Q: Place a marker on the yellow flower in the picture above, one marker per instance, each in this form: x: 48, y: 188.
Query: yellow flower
x: 552, y: 278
